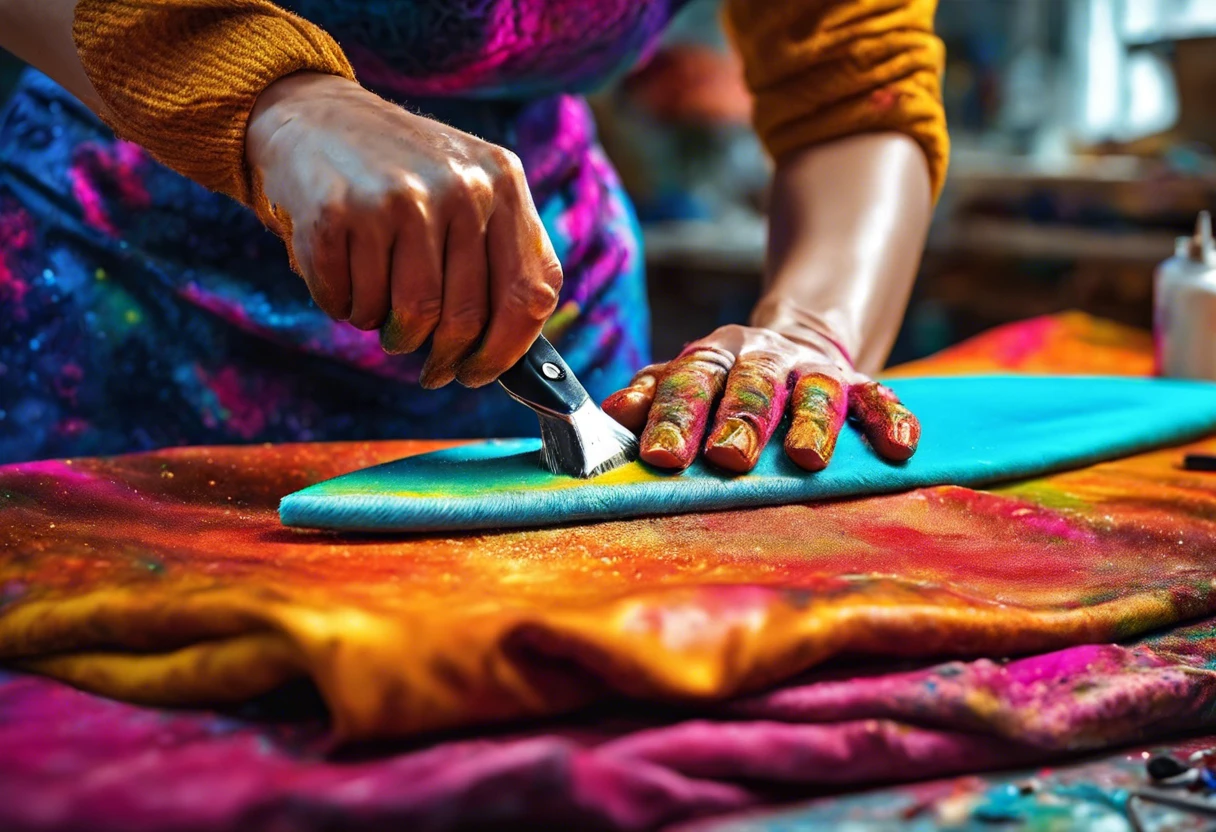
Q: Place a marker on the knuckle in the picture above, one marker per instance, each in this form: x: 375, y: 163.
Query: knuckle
x: 551, y: 275
x: 506, y: 162
x: 765, y: 340
x: 411, y: 187
x: 471, y: 181
x: 369, y: 202
x: 648, y: 374
x: 406, y: 196
x: 535, y: 298
x: 821, y: 377
x: 707, y: 357
x: 767, y: 363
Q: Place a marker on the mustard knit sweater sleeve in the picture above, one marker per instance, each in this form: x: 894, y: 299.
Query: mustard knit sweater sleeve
x: 825, y: 69
x: 180, y: 77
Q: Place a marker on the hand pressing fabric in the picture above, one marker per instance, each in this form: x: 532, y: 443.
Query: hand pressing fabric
x: 848, y: 219
x: 402, y: 223
x: 754, y: 376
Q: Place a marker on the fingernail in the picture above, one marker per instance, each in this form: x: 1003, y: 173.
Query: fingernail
x: 869, y: 401
x: 904, y: 436
x: 809, y: 444
x: 663, y: 446
x: 624, y: 399
x: 472, y: 373
x: 735, y: 446
x: 436, y: 373
x: 392, y: 335
x: 629, y: 407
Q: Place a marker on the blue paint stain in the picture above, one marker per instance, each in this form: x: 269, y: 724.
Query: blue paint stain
x: 1023, y: 804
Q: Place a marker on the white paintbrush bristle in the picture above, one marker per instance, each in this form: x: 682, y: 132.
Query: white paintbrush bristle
x: 585, y: 444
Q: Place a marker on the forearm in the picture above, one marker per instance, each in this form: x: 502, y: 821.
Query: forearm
x: 848, y: 225
x: 39, y: 32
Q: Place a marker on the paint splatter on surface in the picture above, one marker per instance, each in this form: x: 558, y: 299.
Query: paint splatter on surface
x: 167, y: 578
x: 1091, y: 794
x: 1049, y: 344
x: 164, y: 577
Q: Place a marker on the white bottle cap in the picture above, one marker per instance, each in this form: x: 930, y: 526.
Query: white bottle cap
x: 1202, y: 248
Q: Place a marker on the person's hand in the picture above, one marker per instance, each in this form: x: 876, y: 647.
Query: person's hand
x: 402, y: 223
x: 754, y: 376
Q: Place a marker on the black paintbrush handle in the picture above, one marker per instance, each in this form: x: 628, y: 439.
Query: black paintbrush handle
x: 542, y: 379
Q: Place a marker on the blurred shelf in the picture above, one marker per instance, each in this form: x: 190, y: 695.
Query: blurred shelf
x: 734, y: 245
x: 1041, y: 242
x: 973, y: 166
x: 739, y: 246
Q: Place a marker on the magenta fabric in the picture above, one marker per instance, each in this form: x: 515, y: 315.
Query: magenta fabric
x: 73, y: 761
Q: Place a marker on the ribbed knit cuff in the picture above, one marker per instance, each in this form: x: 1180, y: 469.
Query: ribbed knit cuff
x: 180, y: 77
x: 828, y: 69
x: 788, y: 120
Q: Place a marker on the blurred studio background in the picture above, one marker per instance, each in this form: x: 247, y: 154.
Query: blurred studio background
x: 1083, y: 131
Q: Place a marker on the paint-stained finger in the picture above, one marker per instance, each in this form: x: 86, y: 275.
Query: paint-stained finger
x: 818, y: 407
x: 890, y: 427
x: 325, y: 261
x: 466, y: 300
x: 370, y: 285
x: 525, y: 279
x: 754, y: 401
x: 417, y: 285
x: 683, y: 399
x: 631, y: 405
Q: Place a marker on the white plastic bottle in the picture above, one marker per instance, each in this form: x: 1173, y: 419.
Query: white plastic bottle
x: 1184, y: 307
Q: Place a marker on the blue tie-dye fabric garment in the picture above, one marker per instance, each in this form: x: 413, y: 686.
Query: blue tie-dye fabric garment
x: 140, y: 310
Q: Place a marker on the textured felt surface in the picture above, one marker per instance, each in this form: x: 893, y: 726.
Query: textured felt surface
x: 975, y: 431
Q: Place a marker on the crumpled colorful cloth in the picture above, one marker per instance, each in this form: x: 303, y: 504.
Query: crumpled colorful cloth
x: 73, y: 761
x: 165, y: 578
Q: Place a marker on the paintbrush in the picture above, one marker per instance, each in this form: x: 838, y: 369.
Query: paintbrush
x: 577, y: 438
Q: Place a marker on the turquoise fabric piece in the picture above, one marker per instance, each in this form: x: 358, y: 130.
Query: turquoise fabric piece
x: 975, y: 431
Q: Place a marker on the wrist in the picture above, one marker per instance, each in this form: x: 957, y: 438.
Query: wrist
x: 278, y: 104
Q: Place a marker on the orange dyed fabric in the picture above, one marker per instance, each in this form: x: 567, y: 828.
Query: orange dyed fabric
x: 166, y: 578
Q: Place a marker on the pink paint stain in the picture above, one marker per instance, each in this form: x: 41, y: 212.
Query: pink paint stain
x: 245, y: 414
x: 16, y: 236
x: 72, y: 427
x: 337, y: 340
x: 1030, y: 517
x: 67, y: 382
x: 1018, y: 344
x: 96, y: 168
x: 884, y: 99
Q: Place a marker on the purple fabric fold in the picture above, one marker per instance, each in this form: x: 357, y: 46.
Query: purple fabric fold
x: 73, y: 761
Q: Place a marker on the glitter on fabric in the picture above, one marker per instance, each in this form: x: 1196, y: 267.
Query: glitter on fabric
x: 167, y: 578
